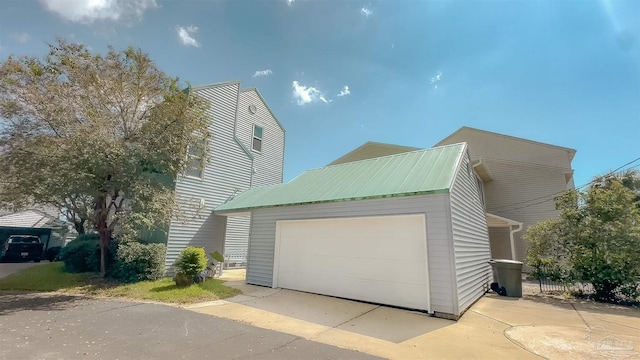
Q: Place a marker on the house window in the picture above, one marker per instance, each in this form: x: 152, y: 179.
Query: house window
x: 481, y: 189
x: 256, y: 144
x: 195, y: 157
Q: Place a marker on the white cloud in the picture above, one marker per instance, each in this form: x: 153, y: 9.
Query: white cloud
x: 344, y: 91
x: 366, y: 11
x: 259, y: 73
x: 289, y: 2
x: 186, y: 35
x: 435, y: 79
x: 22, y: 37
x: 88, y: 11
x: 305, y: 95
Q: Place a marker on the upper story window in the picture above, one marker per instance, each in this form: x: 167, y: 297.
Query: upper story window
x: 195, y: 157
x: 256, y: 143
x: 481, y: 188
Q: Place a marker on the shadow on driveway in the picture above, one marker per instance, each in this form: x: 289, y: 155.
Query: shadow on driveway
x: 11, y: 302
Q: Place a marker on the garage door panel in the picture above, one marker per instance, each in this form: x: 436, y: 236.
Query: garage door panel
x: 381, y: 259
x: 385, y: 292
x: 359, y: 268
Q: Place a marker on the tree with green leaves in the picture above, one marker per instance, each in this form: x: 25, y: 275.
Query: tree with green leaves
x: 595, y: 240
x: 101, y: 137
x: 629, y: 178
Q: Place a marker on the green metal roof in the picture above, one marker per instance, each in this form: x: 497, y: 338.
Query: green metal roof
x: 418, y: 172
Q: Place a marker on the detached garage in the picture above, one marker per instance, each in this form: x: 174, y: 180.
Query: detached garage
x: 406, y: 230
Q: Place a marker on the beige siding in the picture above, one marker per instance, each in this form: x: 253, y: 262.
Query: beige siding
x: 263, y: 227
x: 500, y: 243
x: 470, y: 238
x: 228, y: 170
x: 496, y: 146
x: 372, y: 150
x: 522, y: 193
x: 526, y: 175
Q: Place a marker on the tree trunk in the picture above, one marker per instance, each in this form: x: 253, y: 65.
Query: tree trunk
x: 102, y: 217
x: 79, y: 226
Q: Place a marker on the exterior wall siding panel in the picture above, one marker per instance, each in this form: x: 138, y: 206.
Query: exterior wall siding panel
x: 513, y: 185
x: 526, y: 175
x: 470, y: 238
x: 263, y: 227
x: 268, y: 163
x: 228, y: 170
x: 500, y: 243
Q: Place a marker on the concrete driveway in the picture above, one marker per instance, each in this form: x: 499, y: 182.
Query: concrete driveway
x: 7, y: 269
x: 495, y: 327
x: 58, y: 326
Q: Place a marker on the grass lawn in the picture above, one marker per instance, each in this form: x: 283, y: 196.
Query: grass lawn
x: 48, y: 277
x: 51, y: 277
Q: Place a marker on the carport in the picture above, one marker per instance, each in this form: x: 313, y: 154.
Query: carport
x: 52, y: 231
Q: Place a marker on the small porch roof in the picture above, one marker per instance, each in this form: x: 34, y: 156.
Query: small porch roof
x: 499, y: 221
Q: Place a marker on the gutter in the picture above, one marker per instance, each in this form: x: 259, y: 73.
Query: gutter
x: 512, y: 242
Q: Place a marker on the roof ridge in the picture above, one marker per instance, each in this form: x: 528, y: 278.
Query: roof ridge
x: 389, y: 156
x: 508, y: 137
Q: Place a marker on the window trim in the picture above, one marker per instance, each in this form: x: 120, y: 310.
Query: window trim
x: 254, y: 137
x: 191, y: 157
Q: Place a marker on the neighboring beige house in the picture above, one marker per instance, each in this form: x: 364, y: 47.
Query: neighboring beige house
x: 519, y: 179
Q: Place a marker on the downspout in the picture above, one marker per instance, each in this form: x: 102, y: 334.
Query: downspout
x: 513, y: 243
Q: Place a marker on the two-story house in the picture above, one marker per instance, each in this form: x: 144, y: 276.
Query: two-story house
x: 246, y: 150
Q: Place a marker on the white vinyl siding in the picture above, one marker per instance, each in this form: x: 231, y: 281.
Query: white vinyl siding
x: 268, y: 163
x: 237, y: 234
x: 470, y: 237
x: 229, y: 169
x: 434, y: 207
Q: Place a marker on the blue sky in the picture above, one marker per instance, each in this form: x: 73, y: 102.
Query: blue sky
x: 340, y: 73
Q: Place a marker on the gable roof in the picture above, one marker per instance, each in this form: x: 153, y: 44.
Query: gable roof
x: 266, y: 105
x: 372, y: 149
x: 466, y: 129
x: 30, y: 219
x: 428, y: 171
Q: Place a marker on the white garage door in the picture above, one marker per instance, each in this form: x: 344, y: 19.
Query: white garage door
x: 376, y: 259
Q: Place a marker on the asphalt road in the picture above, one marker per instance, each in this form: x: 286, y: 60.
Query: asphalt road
x: 37, y: 326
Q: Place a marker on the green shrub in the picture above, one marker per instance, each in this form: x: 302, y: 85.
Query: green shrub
x: 138, y: 262
x: 596, y: 240
x: 192, y: 261
x: 87, y: 237
x: 83, y: 254
x: 53, y: 253
x: 183, y: 280
x: 217, y: 256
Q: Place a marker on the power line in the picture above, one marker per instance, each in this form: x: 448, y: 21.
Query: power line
x: 550, y: 196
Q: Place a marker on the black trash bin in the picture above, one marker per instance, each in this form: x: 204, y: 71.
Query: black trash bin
x: 508, y: 275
